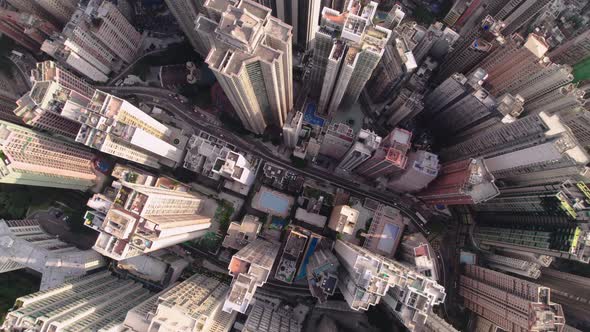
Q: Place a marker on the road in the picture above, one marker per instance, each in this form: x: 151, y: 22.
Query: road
x: 258, y: 149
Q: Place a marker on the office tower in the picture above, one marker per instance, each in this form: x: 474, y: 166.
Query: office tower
x: 351, y: 58
x: 26, y: 29
x: 250, y: 268
x: 234, y: 166
x: 366, y: 278
x: 461, y: 182
x: 186, y: 13
x: 571, y: 291
x: 193, y: 305
x: 385, y: 233
x: 97, y: 40
x: 471, y: 48
x: 292, y: 129
x: 7, y: 106
x: 396, y: 65
x: 36, y: 159
x: 562, y: 100
x: 561, y: 240
x: 456, y: 11
x: 513, y: 265
x: 27, y: 245
x: 578, y: 120
x: 266, y: 317
x: 343, y: 219
x: 337, y: 140
x: 251, y: 56
x: 422, y: 168
x: 405, y: 107
x: 322, y: 274
x: 560, y: 198
x: 365, y: 144
x: 92, y: 303
x: 302, y: 15
x: 134, y: 219
x: 573, y: 50
x: 239, y: 235
x: 390, y: 157
x: 509, y: 302
x: 394, y: 17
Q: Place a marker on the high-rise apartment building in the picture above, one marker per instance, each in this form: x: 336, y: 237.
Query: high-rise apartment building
x: 396, y: 65
x: 134, y: 219
x: 394, y: 17
x: 433, y: 35
x: 97, y: 40
x: 366, y: 278
x: 191, y: 306
x: 59, y: 11
x: 573, y: 50
x: 404, y: 107
x: 567, y: 241
x: 578, y: 120
x: 26, y: 29
x: 26, y: 245
x: 471, y: 48
x: 292, y: 129
x: 343, y: 219
x: 422, y: 168
x: 7, y: 106
x: 561, y: 198
x: 390, y: 157
x: 515, y: 14
x: 98, y: 302
x: 36, y: 159
x: 456, y: 11
x: 349, y: 48
x: 365, y: 144
x: 265, y: 317
x: 562, y: 100
x: 511, y: 303
x: 251, y: 56
x: 337, y: 140
x: 434, y: 323
x: 250, y: 268
x: 461, y: 182
x: 513, y: 265
x: 186, y: 13
x: 302, y: 15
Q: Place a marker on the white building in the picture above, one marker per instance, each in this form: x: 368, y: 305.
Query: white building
x: 135, y: 219
x: 292, y: 129
x: 235, y: 167
x: 343, y: 219
x: 250, y: 268
x: 24, y: 244
x: 366, y: 143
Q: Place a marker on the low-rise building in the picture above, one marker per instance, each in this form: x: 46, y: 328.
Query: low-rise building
x: 343, y: 219
x: 386, y: 231
x: 240, y: 234
x: 322, y: 274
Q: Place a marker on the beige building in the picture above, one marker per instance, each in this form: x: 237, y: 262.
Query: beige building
x: 98, y: 302
x: 250, y: 268
x: 24, y: 244
x: 337, y: 140
x: 191, y: 306
x: 36, y: 159
x: 240, y: 234
x: 134, y: 219
x: 343, y: 219
x: 251, y: 56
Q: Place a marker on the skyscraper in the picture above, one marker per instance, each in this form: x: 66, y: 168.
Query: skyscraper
x: 134, y: 219
x: 390, y: 157
x: 36, y: 159
x: 422, y: 168
x: 90, y: 303
x: 516, y: 13
x: 292, y: 129
x: 365, y: 144
x: 562, y: 100
x: 471, y: 48
x: 193, y: 305
x: 7, y: 106
x: 573, y: 50
x: 513, y: 265
x: 337, y: 140
x: 251, y: 57
x: 461, y: 182
x: 366, y: 278
x: 302, y: 15
x: 186, y: 13
x: 97, y: 40
x: 250, y: 268
x: 404, y: 107
x: 345, y: 64
x: 511, y: 303
x: 26, y: 245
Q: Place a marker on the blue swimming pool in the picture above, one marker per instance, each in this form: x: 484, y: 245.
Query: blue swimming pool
x: 310, y: 116
x: 272, y: 202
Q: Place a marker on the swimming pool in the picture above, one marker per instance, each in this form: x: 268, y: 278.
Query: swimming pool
x: 274, y: 203
x: 310, y: 116
x: 389, y: 237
